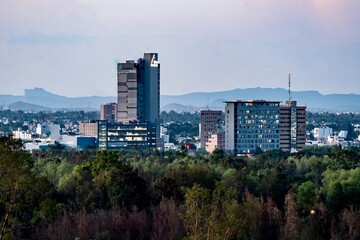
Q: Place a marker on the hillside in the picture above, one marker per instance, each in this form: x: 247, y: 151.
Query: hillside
x: 314, y: 100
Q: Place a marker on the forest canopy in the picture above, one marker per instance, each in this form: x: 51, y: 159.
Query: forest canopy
x: 68, y: 194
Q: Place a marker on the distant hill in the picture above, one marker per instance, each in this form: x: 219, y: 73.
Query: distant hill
x: 179, y: 108
x: 41, y: 97
x: 26, y: 107
x: 314, y: 100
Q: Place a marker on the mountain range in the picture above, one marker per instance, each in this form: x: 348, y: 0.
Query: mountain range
x: 48, y: 100
x: 315, y: 101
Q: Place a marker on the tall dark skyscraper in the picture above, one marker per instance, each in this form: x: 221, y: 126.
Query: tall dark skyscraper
x: 139, y: 92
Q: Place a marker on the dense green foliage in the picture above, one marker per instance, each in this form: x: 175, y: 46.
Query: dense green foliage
x: 68, y: 194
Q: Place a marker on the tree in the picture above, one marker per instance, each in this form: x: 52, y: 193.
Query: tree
x: 213, y: 215
x: 196, y: 211
x: 17, y: 183
x: 306, y: 194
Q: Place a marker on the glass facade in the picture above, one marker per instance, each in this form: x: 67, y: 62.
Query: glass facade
x: 132, y: 135
x: 293, y: 126
x: 256, y: 126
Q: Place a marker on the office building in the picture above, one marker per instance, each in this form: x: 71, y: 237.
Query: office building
x: 129, y: 135
x: 78, y: 141
x: 139, y: 89
x: 89, y: 128
x: 138, y: 107
x: 292, y: 126
x: 108, y: 112
x: 251, y: 126
x: 209, y: 123
x: 129, y: 93
x: 139, y: 93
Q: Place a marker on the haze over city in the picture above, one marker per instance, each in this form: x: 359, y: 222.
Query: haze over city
x: 71, y: 47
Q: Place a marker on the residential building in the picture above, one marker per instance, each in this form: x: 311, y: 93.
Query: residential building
x: 323, y: 132
x: 54, y: 130
x: 292, y: 126
x: 108, y: 112
x: 163, y: 134
x: 41, y: 129
x: 215, y: 141
x: 251, y: 126
x: 20, y: 134
x: 209, y: 123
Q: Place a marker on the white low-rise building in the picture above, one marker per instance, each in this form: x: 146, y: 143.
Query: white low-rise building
x: 20, y: 134
x: 323, y: 133
x: 170, y: 146
x: 343, y: 134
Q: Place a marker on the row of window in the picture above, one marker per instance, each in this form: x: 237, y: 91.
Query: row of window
x: 262, y: 112
x: 257, y: 136
x: 259, y: 141
x: 245, y: 147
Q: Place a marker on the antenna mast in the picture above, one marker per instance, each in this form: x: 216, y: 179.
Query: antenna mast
x: 207, y: 106
x: 289, y: 87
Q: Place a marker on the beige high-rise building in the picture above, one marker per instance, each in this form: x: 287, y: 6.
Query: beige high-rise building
x: 127, y: 91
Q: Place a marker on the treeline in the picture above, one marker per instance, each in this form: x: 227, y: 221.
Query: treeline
x: 68, y: 194
x: 336, y: 121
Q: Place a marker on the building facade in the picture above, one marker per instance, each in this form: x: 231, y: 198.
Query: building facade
x: 108, y: 112
x: 138, y: 98
x: 209, y: 121
x: 292, y: 126
x: 129, y: 135
x: 215, y: 141
x: 251, y: 126
x: 323, y: 132
x: 89, y: 128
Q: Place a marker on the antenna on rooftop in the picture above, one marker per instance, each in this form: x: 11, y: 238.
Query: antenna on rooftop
x: 289, y: 87
x: 207, y: 106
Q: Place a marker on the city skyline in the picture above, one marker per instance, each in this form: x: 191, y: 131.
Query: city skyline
x: 72, y: 47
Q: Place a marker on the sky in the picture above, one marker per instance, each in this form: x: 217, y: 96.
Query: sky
x: 71, y: 47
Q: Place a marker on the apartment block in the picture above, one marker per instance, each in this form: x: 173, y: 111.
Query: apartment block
x: 209, y: 123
